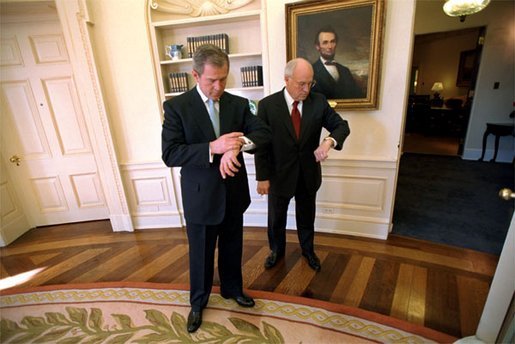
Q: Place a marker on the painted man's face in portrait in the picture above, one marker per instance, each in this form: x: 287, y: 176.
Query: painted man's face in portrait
x: 326, y: 45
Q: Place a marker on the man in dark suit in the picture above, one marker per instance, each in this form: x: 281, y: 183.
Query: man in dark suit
x: 214, y: 185
x: 290, y: 166
x: 333, y: 80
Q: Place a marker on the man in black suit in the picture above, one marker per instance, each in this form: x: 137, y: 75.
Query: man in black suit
x: 290, y: 166
x: 214, y: 185
x: 333, y: 80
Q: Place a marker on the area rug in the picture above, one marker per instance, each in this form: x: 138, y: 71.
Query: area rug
x: 123, y: 312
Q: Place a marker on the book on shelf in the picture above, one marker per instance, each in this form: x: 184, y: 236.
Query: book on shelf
x: 251, y: 76
x: 221, y: 40
x: 178, y: 82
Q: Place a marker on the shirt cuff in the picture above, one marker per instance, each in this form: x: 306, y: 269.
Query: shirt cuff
x: 248, y: 145
x: 334, y: 141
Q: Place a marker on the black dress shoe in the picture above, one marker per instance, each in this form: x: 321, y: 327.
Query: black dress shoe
x: 243, y: 300
x: 194, y: 320
x: 313, y: 261
x: 272, y: 259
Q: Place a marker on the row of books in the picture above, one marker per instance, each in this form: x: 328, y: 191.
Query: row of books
x: 178, y: 82
x: 221, y: 40
x: 251, y: 76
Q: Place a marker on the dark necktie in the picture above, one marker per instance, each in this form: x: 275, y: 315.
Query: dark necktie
x: 295, y: 118
x: 330, y: 63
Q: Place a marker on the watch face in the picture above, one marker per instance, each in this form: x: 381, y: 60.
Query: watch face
x: 253, y: 107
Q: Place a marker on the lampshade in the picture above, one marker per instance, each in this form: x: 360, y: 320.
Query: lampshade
x: 437, y: 86
x: 461, y: 8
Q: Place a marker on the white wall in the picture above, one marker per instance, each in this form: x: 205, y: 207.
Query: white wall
x: 121, y: 45
x: 359, y: 183
x: 497, y: 65
x: 374, y: 134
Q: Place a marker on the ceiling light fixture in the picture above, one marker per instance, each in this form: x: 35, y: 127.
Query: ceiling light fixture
x: 462, y: 8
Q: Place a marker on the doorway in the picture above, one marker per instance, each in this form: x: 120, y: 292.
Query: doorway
x: 441, y: 197
x: 441, y: 92
x: 57, y: 147
x: 45, y: 136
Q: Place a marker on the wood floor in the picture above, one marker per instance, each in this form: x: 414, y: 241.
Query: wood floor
x: 437, y: 286
x: 436, y: 145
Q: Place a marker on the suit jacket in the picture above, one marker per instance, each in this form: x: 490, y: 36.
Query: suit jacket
x: 285, y: 158
x: 344, y: 88
x: 187, y: 131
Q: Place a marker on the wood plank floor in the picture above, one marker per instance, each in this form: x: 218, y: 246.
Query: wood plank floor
x: 428, y: 284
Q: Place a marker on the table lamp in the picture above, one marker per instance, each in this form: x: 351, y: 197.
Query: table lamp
x: 437, y: 87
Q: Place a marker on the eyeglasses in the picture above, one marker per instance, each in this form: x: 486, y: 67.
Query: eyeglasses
x: 304, y: 84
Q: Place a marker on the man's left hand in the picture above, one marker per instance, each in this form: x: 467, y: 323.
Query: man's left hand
x: 322, y: 152
x: 229, y: 164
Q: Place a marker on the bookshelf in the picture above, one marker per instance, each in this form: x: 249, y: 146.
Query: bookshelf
x: 244, y: 27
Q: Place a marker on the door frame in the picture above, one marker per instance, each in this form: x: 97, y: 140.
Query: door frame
x: 75, y: 21
x: 501, y: 291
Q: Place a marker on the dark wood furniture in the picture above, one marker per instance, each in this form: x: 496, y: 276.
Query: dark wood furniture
x: 418, y: 107
x: 498, y: 130
x: 423, y: 117
x: 445, y: 121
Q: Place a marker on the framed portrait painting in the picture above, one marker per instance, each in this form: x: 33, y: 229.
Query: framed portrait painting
x: 342, y: 39
x: 467, y: 69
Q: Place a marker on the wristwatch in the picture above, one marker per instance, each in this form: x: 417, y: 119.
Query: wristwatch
x: 333, y: 141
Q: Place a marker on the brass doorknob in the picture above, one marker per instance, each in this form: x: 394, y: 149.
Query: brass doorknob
x: 506, y: 194
x: 15, y: 160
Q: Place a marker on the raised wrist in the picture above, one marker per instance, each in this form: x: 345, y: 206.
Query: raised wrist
x: 332, y: 142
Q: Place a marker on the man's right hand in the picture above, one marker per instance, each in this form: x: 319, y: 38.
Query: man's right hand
x: 226, y: 142
x: 263, y: 187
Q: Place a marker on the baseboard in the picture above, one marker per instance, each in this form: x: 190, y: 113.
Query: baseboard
x: 503, y: 155
x: 13, y: 230
x: 121, y: 223
x: 142, y: 221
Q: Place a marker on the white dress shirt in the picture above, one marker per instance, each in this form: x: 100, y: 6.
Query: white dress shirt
x: 248, y: 145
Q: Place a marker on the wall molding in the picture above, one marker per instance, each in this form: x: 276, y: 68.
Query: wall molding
x: 152, y: 195
x: 355, y: 198
x: 503, y: 155
x: 195, y: 8
x: 74, y: 22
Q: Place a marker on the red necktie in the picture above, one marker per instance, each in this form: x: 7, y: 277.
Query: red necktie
x: 295, y: 118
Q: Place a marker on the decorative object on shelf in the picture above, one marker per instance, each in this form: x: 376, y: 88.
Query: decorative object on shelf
x: 178, y: 82
x: 221, y: 40
x: 437, y: 100
x: 463, y: 8
x: 251, y: 76
x: 198, y: 8
x: 174, y: 51
x: 362, y: 43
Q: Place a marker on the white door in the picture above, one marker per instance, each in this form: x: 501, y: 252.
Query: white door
x: 45, y: 143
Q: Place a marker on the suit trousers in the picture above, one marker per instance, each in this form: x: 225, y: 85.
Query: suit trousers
x: 202, y: 244
x: 305, y: 208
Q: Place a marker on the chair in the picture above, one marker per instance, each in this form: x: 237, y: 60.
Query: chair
x: 418, y: 110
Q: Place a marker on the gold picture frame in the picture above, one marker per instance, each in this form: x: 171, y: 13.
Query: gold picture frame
x: 358, y: 26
